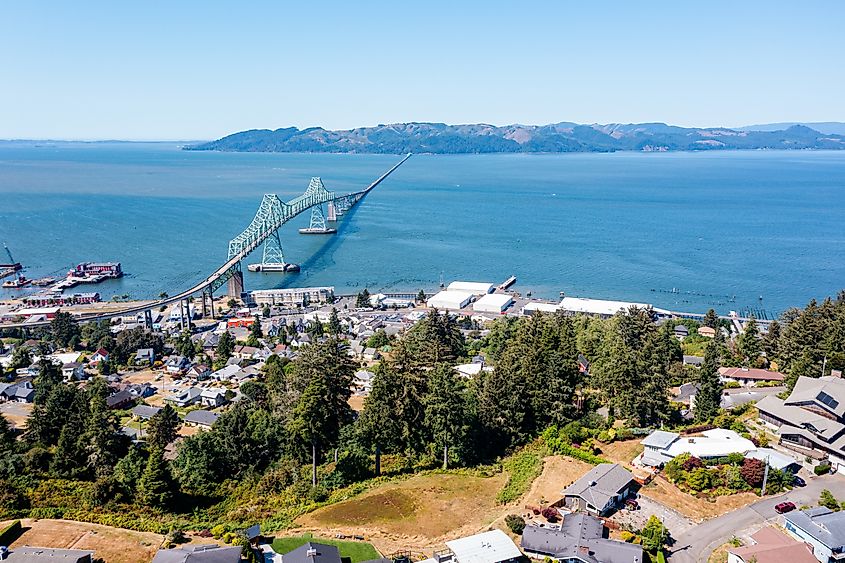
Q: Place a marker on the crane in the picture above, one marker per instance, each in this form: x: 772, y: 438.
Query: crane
x: 15, y: 266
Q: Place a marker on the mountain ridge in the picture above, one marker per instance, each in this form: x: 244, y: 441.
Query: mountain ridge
x: 565, y: 136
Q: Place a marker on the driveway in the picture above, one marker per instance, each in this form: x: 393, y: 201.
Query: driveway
x: 674, y: 521
x: 696, y: 544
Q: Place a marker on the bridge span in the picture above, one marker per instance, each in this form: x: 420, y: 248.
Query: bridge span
x: 271, y: 215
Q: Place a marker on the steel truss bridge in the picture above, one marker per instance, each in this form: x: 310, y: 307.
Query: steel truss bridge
x: 271, y: 215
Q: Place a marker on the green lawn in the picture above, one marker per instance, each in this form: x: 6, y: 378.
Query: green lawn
x: 356, y: 551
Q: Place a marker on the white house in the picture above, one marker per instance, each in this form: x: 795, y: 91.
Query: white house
x: 73, y: 371
x: 213, y: 397
x: 661, y: 446
x: 487, y: 547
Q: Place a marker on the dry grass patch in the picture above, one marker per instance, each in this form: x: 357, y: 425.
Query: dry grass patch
x: 558, y: 473
x: 419, y: 513
x: 112, y: 545
x: 692, y: 507
x: 622, y: 452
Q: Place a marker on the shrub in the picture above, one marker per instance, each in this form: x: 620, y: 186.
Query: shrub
x: 551, y: 514
x: 822, y: 469
x: 699, y: 479
x: 10, y: 533
x: 218, y: 531
x: 735, y: 459
x: 752, y: 471
x: 522, y: 469
x: 691, y: 463
x: 627, y: 536
x: 515, y: 523
x: 732, y: 385
x: 827, y: 500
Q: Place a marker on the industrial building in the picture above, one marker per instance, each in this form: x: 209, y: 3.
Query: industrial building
x: 476, y: 288
x: 492, y: 303
x: 451, y: 299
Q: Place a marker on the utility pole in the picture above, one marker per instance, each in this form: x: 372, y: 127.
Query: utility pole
x: 765, y: 477
x: 824, y: 365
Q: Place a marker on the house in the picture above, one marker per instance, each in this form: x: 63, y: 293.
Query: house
x: 144, y: 412
x: 694, y: 361
x: 26, y: 554
x: 707, y: 332
x: 226, y: 373
x: 202, y: 553
x: 185, y: 397
x: 771, y: 546
x: 245, y: 352
x: 145, y: 356
x: 141, y: 390
x: 775, y: 459
x: 363, y: 382
x: 487, y: 547
x: 199, y: 372
x: 821, y: 528
x: 599, y: 490
x: 73, y: 371
x: 312, y: 552
x: 177, y: 364
x: 202, y: 418
x: 749, y: 376
x: 811, y: 421
x: 213, y: 397
x: 661, y: 446
x: 120, y: 399
x: 22, y: 392
x: 371, y: 354
x: 101, y: 355
x: 580, y: 538
x: 680, y: 331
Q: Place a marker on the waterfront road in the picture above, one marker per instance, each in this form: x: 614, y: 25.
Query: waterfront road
x: 696, y: 544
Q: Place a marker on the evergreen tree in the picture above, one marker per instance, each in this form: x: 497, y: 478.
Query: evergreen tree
x: 21, y: 358
x: 69, y: 457
x: 435, y: 339
x: 421, y: 297
x: 709, y: 394
x: 154, y: 487
x: 185, y: 346
x: 334, y: 323
x: 64, y: 329
x: 710, y: 319
x: 446, y: 410
x: 381, y: 425
x: 771, y: 342
x: 104, y: 443
x: 265, y: 312
x: 128, y: 471
x: 362, y: 301
x: 162, y: 428
x: 225, y: 348
x: 748, y: 343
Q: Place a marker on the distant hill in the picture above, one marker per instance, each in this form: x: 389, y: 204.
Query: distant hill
x: 440, y: 138
x: 826, y: 127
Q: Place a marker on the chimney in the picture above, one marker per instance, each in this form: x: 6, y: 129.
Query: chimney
x: 312, y: 552
x: 836, y: 373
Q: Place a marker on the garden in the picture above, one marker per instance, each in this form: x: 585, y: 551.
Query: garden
x: 724, y: 475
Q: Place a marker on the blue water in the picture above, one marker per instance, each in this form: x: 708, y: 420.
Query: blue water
x: 720, y: 229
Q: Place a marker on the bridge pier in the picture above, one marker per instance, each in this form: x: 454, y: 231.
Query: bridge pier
x: 148, y: 319
x: 236, y: 285
x: 211, y: 301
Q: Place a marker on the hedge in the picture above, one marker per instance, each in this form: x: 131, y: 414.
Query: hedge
x: 559, y: 446
x: 11, y: 533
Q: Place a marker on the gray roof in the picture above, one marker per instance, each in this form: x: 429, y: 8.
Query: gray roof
x: 322, y: 553
x: 823, y: 429
x: 581, y: 536
x: 600, y: 484
x: 826, y: 392
x: 693, y: 360
x: 200, y: 416
x: 206, y: 553
x: 826, y: 526
x: 119, y: 398
x: 145, y: 411
x: 28, y: 554
x: 659, y: 439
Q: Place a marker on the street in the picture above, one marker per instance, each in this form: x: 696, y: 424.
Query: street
x: 696, y: 544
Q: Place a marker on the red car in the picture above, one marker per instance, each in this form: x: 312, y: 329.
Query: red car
x: 784, y: 507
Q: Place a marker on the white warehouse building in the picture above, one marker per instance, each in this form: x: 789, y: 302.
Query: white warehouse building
x: 476, y: 288
x: 492, y: 303
x: 450, y: 299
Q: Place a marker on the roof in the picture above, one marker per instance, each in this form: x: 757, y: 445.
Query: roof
x: 822, y: 429
x: 772, y: 546
x: 28, y: 554
x: 659, y: 439
x: 205, y: 553
x: 202, y: 417
x: 775, y: 458
x: 826, y: 392
x: 751, y: 373
x: 145, y: 411
x: 580, y: 535
x: 715, y: 443
x: 118, y: 398
x: 226, y: 372
x: 212, y: 392
x: 823, y: 524
x: 475, y: 288
x: 486, y: 547
x: 312, y: 552
x: 541, y: 307
x: 600, y: 484
x: 492, y: 302
x: 597, y: 306
x: 450, y: 299
x: 693, y: 360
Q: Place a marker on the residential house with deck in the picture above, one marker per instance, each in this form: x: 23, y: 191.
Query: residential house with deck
x: 580, y: 538
x: 749, y: 376
x: 600, y: 490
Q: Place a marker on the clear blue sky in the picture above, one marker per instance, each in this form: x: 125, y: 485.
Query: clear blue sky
x: 200, y: 69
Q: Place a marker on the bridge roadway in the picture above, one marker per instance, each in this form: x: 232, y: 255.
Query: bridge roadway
x: 296, y: 206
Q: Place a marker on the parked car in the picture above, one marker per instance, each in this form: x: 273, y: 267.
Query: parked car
x: 784, y: 507
x: 798, y: 481
x: 631, y: 504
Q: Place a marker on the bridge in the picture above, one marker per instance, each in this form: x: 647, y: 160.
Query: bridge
x: 271, y: 215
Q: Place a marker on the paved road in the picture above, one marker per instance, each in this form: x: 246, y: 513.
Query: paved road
x: 696, y: 544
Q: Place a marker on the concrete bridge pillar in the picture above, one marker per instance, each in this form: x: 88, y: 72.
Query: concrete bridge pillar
x: 148, y: 319
x: 236, y: 285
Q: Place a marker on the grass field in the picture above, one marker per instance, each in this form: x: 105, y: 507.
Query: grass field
x: 356, y: 551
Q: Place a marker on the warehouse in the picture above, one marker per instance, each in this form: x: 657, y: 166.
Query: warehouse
x: 450, y: 299
x: 476, y: 288
x: 538, y: 307
x: 492, y: 303
x: 597, y: 307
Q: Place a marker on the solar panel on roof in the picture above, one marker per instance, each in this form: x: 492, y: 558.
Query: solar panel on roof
x: 827, y: 400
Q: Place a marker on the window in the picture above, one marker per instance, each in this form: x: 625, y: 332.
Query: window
x: 826, y: 399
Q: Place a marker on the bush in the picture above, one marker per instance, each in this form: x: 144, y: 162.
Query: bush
x: 752, y: 471
x: 551, y: 514
x: 522, y: 468
x: 691, y: 463
x: 827, y: 500
x: 10, y: 533
x: 822, y: 469
x: 699, y: 479
x: 732, y: 385
x: 559, y: 446
x: 515, y: 523
x: 627, y: 537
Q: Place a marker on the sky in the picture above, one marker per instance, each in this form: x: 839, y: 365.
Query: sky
x: 190, y: 70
